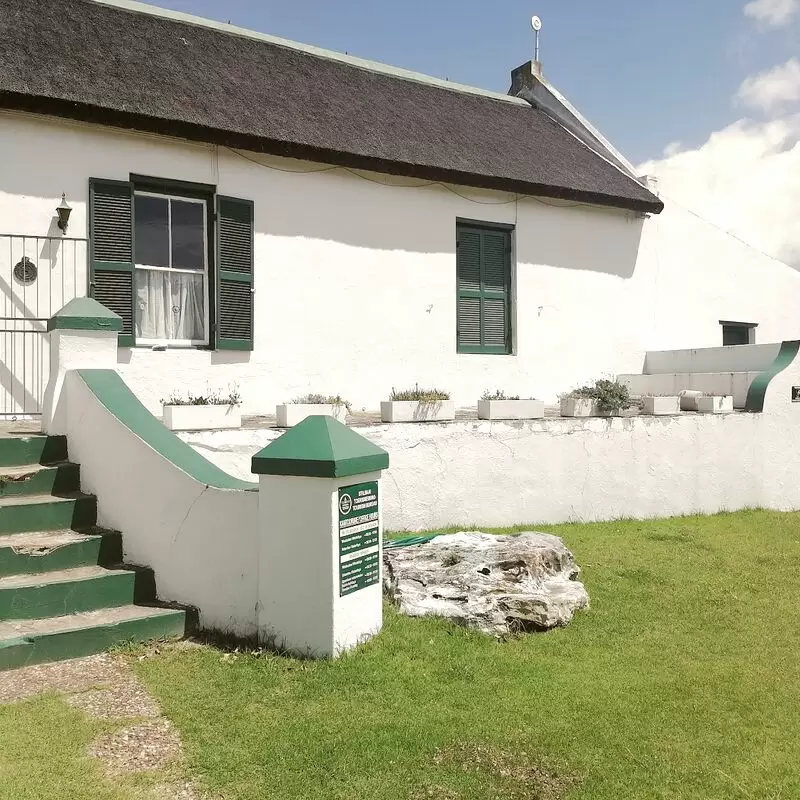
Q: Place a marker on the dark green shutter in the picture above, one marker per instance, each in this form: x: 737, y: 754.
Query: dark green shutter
x: 483, y: 258
x: 111, y: 278
x: 234, y: 328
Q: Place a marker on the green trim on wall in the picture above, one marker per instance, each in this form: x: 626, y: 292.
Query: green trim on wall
x: 113, y: 393
x: 84, y: 314
x: 758, y: 388
x: 320, y: 447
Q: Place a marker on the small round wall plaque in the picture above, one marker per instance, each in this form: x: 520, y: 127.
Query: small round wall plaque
x: 25, y: 271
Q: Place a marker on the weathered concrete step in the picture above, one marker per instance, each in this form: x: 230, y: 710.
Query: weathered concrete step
x: 39, y: 479
x: 25, y: 642
x: 47, y: 551
x: 25, y: 449
x: 67, y: 591
x: 45, y: 512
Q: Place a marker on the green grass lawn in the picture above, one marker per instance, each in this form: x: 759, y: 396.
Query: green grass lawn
x: 683, y: 681
x: 43, y: 745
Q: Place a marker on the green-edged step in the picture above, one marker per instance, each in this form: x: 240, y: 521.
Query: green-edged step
x: 36, y: 449
x: 63, y: 593
x: 47, y: 512
x: 67, y: 591
x: 48, y: 551
x: 24, y: 642
x: 39, y: 479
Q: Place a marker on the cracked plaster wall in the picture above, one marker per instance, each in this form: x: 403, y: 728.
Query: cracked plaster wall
x: 559, y: 470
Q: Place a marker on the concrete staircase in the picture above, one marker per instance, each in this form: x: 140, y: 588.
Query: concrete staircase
x: 63, y: 592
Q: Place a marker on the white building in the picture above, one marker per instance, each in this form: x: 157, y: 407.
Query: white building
x: 287, y: 219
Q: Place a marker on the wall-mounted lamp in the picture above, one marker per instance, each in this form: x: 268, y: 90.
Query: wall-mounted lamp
x: 63, y: 210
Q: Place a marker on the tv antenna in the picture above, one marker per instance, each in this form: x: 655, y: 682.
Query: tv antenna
x: 536, y: 24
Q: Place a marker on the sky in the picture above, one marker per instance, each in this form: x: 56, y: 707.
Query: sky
x: 705, y: 94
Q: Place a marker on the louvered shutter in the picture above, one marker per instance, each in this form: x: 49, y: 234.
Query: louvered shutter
x: 111, y: 280
x: 234, y: 262
x: 484, y: 290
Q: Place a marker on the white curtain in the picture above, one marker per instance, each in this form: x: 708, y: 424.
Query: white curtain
x: 169, y: 305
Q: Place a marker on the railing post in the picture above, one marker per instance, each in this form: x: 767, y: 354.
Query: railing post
x: 82, y: 334
x: 320, y: 539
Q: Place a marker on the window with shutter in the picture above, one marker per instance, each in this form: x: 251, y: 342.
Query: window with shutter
x: 152, y: 264
x: 234, y: 274
x: 483, y: 263
x: 111, y: 249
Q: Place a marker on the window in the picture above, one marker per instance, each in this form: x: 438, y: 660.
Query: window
x: 483, y: 265
x: 175, y: 272
x: 738, y: 333
x: 171, y: 275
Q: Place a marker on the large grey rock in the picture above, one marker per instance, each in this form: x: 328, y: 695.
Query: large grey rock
x: 499, y: 584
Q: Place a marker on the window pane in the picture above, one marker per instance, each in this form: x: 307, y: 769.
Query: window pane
x: 152, y: 234
x: 188, y: 308
x: 187, y: 235
x: 152, y: 304
x: 735, y: 334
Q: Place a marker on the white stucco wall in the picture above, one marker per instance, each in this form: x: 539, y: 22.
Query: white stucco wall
x: 562, y: 470
x: 300, y: 608
x: 355, y: 276
x: 201, y: 541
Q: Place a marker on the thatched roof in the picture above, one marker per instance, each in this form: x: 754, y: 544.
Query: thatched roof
x: 117, y: 66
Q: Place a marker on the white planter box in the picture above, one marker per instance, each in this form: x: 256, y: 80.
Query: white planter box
x: 291, y: 414
x: 415, y: 411
x: 579, y: 407
x: 510, y: 409
x: 689, y: 398
x: 659, y: 406
x: 201, y: 418
x: 719, y: 404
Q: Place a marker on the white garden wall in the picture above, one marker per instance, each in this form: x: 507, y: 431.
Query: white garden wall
x: 355, y: 276
x: 560, y: 470
x: 201, y: 541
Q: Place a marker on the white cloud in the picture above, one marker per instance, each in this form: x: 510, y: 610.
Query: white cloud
x: 774, y: 13
x: 745, y: 179
x: 772, y: 90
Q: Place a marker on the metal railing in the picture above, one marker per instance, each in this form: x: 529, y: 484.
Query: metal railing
x: 38, y: 276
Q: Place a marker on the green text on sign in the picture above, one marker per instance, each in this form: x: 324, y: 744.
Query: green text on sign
x: 359, y: 537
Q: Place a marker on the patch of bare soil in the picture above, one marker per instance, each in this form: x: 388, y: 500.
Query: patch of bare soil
x: 501, y: 775
x: 104, y: 687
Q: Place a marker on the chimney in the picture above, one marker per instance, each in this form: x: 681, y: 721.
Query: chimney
x: 525, y: 77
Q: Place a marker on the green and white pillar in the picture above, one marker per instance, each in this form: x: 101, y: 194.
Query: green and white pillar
x: 320, y: 538
x: 82, y: 335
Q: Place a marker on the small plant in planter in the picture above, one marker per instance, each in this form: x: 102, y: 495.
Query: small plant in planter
x: 196, y: 412
x: 604, y: 398
x: 308, y: 405
x: 497, y: 405
x: 418, y: 405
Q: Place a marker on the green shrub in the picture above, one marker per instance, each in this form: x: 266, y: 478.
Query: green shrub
x: 215, y: 398
x: 420, y: 395
x: 498, y: 394
x: 314, y: 398
x: 611, y: 396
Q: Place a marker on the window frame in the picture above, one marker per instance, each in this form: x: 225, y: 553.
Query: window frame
x: 509, y: 230
x: 749, y: 326
x: 186, y: 193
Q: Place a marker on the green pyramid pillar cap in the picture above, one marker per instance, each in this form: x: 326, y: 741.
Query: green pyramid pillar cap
x: 84, y: 314
x: 320, y: 447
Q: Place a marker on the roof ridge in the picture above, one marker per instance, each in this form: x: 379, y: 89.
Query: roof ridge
x: 319, y: 52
